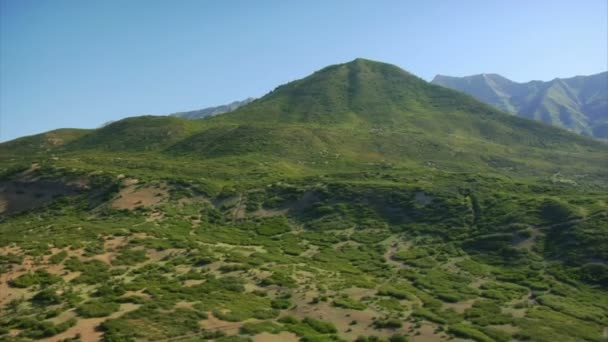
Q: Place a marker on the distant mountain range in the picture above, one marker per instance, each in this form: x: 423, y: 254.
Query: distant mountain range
x: 579, y: 104
x: 212, y: 111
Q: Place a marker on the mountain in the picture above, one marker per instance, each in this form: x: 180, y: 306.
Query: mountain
x: 358, y: 203
x: 579, y: 104
x: 211, y: 111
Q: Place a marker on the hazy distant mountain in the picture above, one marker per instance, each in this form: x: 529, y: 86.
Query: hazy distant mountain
x: 579, y: 104
x: 211, y: 111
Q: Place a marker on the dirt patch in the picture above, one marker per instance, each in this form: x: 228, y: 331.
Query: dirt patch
x: 459, y: 307
x: 155, y: 216
x: 358, y: 293
x: 506, y: 328
x: 213, y: 323
x: 341, y: 318
x: 282, y: 337
x: 133, y: 196
x: 193, y: 282
x: 426, y: 333
x: 113, y: 243
x: 263, y: 213
x: 8, y: 293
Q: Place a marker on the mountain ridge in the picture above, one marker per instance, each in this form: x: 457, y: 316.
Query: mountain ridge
x: 578, y: 103
x: 214, y: 110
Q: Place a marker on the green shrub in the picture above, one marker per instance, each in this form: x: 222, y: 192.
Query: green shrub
x: 388, y: 323
x: 260, y: 327
x: 46, y: 297
x: 281, y: 303
x: 39, y: 277
x: 97, y: 309
x: 130, y: 257
x: 467, y: 331
x: 348, y: 303
x: 280, y: 279
x: 57, y: 258
x: 320, y: 326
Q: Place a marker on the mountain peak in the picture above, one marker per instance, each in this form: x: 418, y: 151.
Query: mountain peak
x: 361, y: 90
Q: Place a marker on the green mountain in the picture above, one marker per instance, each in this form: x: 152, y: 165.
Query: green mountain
x: 359, y: 203
x: 579, y: 104
x: 212, y: 111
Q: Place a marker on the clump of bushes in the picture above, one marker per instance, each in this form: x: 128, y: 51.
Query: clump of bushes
x: 97, y: 309
x: 39, y: 277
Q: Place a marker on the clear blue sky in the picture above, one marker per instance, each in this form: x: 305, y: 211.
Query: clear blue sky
x: 80, y: 63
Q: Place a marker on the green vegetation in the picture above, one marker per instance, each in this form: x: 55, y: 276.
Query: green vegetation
x: 97, y: 309
x: 360, y: 194
x: 39, y: 277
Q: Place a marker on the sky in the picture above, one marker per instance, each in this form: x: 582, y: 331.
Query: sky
x: 82, y: 63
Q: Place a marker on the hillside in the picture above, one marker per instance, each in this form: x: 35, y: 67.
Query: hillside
x: 359, y: 203
x: 212, y: 111
x: 579, y: 104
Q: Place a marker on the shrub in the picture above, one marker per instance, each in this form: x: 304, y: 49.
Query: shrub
x: 280, y: 303
x: 320, y: 326
x: 58, y: 258
x: 388, y: 323
x: 97, y: 309
x: 39, y: 277
x: 46, y: 297
x: 467, y: 331
x: 348, y: 303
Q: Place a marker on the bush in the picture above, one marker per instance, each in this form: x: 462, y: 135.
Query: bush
x: 349, y: 303
x: 388, y: 323
x: 467, y: 331
x: 39, y: 277
x: 280, y: 279
x: 281, y: 304
x: 130, y: 257
x: 97, y: 309
x: 256, y: 328
x: 58, y: 258
x: 320, y: 326
x: 46, y: 297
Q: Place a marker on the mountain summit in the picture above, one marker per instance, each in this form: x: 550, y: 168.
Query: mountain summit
x: 579, y: 104
x: 358, y: 91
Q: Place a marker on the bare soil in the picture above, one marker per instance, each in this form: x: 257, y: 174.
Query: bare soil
x: 132, y: 196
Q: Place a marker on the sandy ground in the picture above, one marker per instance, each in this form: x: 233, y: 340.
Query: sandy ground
x: 213, y: 323
x: 459, y: 307
x: 282, y: 337
x: 132, y: 196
